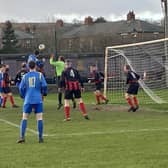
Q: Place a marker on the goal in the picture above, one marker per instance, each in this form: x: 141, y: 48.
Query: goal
x: 149, y: 59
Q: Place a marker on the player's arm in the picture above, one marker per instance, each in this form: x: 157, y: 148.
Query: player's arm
x: 43, y: 85
x: 22, y: 89
x: 52, y: 62
x: 137, y: 76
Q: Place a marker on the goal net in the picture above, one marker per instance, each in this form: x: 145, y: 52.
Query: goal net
x: 148, y: 59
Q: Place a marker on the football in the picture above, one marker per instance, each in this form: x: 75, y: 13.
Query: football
x: 41, y: 47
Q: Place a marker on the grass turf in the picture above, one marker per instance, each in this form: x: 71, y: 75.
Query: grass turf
x: 112, y: 138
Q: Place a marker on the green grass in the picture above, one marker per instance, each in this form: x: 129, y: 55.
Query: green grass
x: 113, y: 138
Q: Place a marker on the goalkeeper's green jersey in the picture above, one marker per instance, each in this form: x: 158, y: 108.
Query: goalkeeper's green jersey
x: 59, y: 66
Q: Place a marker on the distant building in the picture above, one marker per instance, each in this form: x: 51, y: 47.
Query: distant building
x: 92, y: 38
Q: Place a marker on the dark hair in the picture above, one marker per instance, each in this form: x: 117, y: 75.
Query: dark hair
x: 62, y: 58
x: 36, y: 52
x: 32, y: 64
x: 23, y: 65
x: 127, y: 67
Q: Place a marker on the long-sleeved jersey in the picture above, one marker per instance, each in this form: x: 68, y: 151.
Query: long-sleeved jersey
x: 19, y: 76
x: 71, y: 79
x: 132, y: 77
x: 59, y: 66
x: 97, y: 77
x: 32, y: 87
x: 5, y: 80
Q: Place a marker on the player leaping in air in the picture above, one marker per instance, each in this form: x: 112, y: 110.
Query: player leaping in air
x: 132, y: 91
x: 72, y: 83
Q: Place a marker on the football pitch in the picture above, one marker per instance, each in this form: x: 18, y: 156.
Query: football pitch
x: 113, y: 138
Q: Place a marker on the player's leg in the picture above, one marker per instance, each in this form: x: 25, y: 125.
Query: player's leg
x: 4, y: 100
x: 59, y: 93
x: 134, y: 97
x: 129, y: 101
x: 97, y: 95
x: 11, y: 98
x: 27, y: 108
x: 67, y: 110
x: 38, y: 109
x: 77, y: 94
x: 39, y: 117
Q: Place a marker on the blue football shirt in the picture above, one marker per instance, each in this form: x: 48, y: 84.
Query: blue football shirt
x: 32, y: 87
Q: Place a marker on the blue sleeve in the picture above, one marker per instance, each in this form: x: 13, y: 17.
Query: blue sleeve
x: 43, y: 86
x: 22, y: 89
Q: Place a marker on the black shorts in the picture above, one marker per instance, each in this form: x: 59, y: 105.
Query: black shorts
x: 98, y: 86
x: 59, y: 81
x: 6, y: 90
x: 69, y: 94
x: 133, y: 88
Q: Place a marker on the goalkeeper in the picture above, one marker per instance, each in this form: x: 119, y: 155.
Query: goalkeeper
x: 132, y: 91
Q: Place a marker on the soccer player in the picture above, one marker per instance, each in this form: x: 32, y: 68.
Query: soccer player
x: 132, y: 91
x: 33, y: 57
x: 1, y: 79
x: 32, y: 87
x: 59, y: 68
x: 20, y: 74
x: 6, y: 89
x: 72, y: 83
x: 97, y: 78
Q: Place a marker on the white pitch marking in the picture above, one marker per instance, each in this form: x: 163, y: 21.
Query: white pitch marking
x: 88, y: 133
x: 18, y: 126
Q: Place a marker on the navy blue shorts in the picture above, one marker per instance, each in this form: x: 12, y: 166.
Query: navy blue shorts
x: 38, y: 108
x: 59, y: 82
x: 133, y: 88
x: 6, y: 90
x: 69, y: 94
x: 98, y: 86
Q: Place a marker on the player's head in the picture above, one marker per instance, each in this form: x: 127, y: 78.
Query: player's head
x: 32, y: 65
x: 61, y: 58
x: 36, y: 52
x: 68, y: 64
x: 23, y: 65
x: 127, y: 68
x: 6, y: 68
x: 3, y: 66
x: 93, y: 68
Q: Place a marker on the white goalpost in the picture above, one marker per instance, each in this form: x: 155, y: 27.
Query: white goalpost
x: 148, y: 59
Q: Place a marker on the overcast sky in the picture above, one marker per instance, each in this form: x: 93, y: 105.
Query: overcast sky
x: 48, y: 10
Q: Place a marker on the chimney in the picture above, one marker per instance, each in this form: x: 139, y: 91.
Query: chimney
x: 88, y: 20
x: 131, y: 16
x: 60, y: 23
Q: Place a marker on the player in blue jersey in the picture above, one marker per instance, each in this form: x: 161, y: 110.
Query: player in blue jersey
x: 39, y: 63
x: 33, y: 57
x: 32, y: 87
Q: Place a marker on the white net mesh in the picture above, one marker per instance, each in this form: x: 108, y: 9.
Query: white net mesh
x: 149, y: 60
